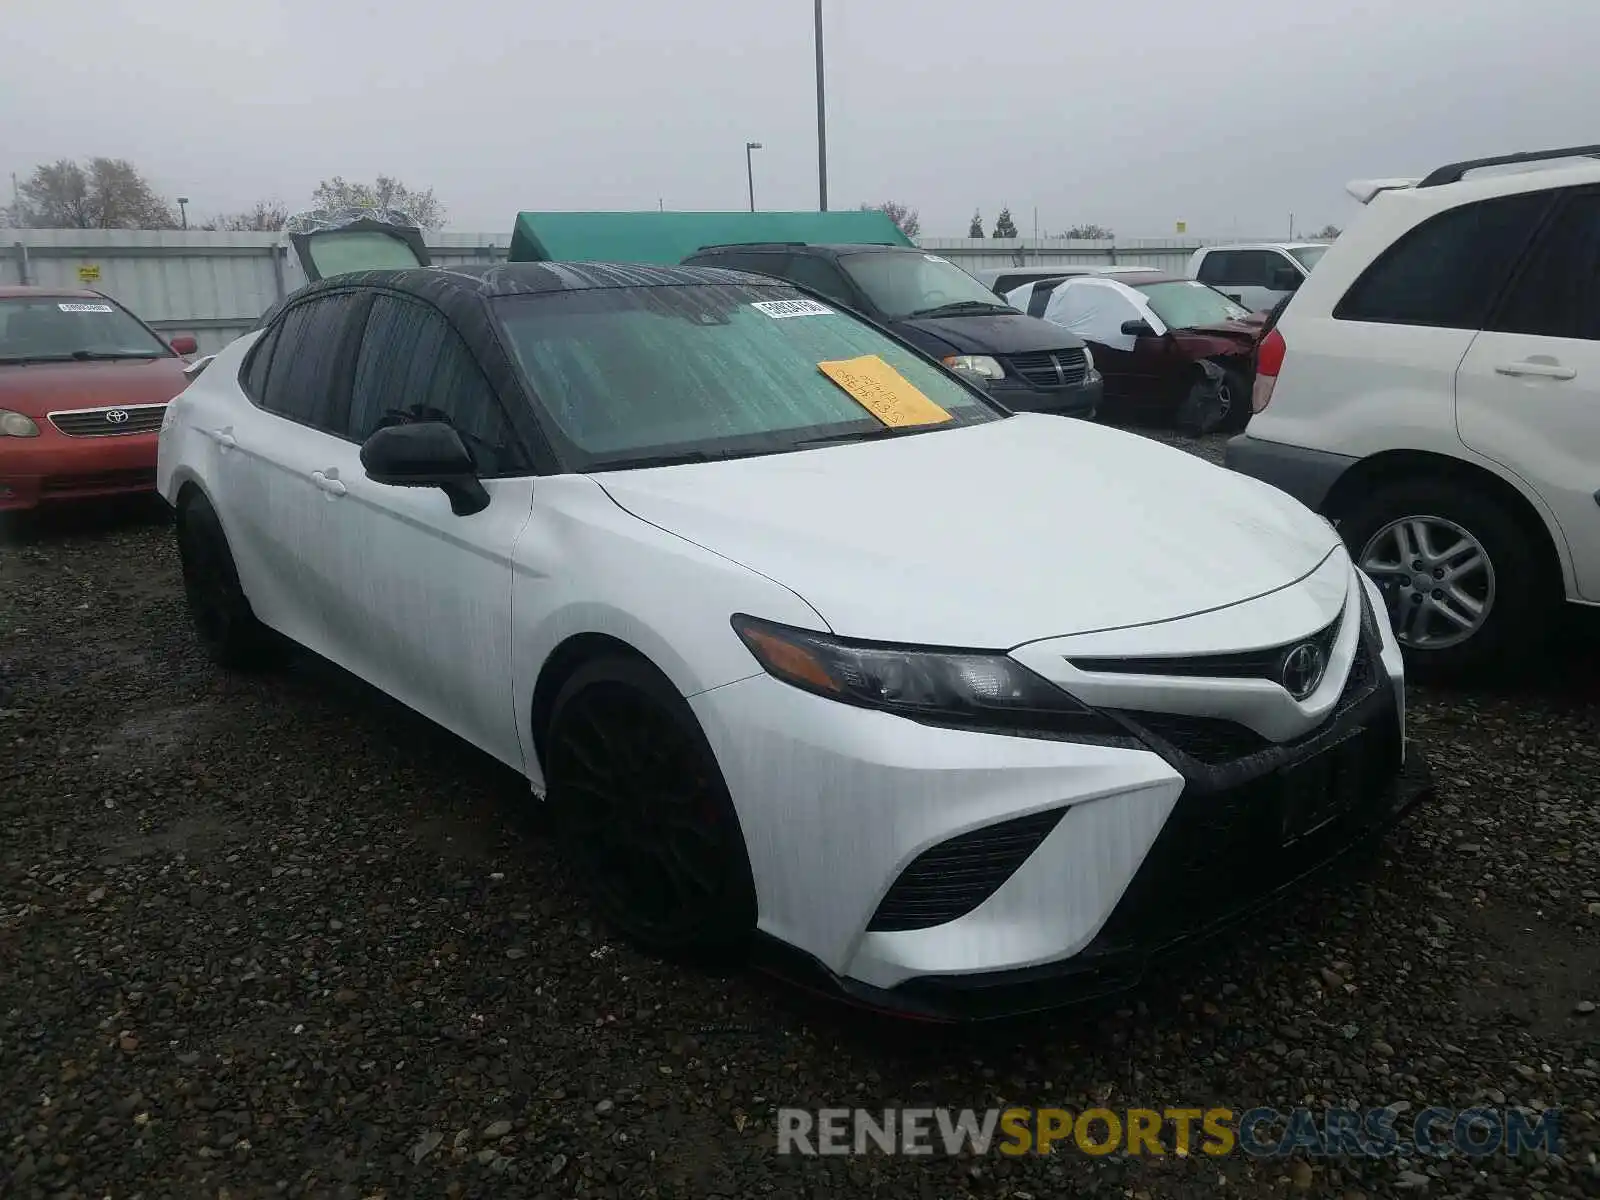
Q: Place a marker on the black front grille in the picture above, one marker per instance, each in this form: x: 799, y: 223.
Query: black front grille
x: 953, y: 878
x: 109, y: 422
x: 1050, y: 368
x: 1243, y: 664
x: 1228, y: 746
x: 1220, y: 847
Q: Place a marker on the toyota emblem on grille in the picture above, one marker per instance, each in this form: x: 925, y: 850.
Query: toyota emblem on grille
x: 1302, y: 670
x: 116, y: 415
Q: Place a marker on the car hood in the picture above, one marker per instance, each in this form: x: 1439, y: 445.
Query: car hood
x: 995, y: 333
x: 991, y: 535
x: 39, y: 388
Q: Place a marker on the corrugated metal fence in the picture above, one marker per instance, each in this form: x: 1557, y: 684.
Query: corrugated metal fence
x: 215, y: 285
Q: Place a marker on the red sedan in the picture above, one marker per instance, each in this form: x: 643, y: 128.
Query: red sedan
x: 84, y: 385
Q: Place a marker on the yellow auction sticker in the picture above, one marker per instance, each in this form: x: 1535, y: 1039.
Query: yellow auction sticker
x: 883, y: 391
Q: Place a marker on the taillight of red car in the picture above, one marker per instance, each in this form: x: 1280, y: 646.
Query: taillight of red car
x: 1269, y: 362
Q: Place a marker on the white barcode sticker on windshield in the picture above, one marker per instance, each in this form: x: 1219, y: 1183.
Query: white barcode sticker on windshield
x: 85, y: 308
x: 778, y: 309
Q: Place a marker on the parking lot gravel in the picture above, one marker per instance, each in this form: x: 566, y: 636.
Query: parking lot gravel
x: 277, y: 936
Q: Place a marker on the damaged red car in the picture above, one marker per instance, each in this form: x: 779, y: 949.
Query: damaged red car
x: 1171, y: 349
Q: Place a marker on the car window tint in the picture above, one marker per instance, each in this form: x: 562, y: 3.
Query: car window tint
x: 412, y: 366
x: 1557, y: 293
x: 1447, y: 271
x: 303, y: 380
x: 1214, y: 267
x: 254, y: 376
x: 819, y: 275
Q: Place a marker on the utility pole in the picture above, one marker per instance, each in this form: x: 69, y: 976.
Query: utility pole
x: 750, y: 172
x: 183, y: 211
x: 822, y: 121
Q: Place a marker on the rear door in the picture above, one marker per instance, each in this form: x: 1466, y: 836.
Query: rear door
x: 422, y: 597
x: 1528, y: 391
x: 271, y: 506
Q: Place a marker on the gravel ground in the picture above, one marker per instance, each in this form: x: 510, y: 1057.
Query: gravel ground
x: 278, y: 936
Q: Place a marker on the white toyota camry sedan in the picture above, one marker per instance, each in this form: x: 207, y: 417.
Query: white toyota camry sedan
x: 808, y: 645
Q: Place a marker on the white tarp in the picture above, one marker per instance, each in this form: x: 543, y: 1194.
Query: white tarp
x: 1095, y: 309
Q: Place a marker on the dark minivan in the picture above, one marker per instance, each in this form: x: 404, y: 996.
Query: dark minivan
x: 1027, y: 364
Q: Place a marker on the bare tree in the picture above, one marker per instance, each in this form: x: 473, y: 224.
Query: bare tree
x: 108, y: 193
x: 420, y: 204
x: 1329, y: 232
x: 975, y: 230
x: 1090, y: 232
x: 905, y: 218
x: 1004, y: 226
x: 267, y: 216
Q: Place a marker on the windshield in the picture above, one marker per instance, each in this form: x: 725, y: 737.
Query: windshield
x: 640, y: 376
x: 1308, y: 255
x: 904, y: 284
x: 64, y: 327
x: 337, y: 253
x: 1187, y: 303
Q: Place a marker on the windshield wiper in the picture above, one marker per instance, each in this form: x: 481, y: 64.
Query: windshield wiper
x: 671, y: 460
x: 102, y: 355
x: 872, y: 435
x: 961, y: 306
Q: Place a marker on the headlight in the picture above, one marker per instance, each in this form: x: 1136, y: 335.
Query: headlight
x: 988, y: 692
x: 976, y: 364
x: 14, y: 424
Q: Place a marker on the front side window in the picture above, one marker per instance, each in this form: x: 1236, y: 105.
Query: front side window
x: 303, y: 376
x: 412, y: 366
x: 819, y: 275
x: 904, y: 284
x: 1187, y: 303
x: 636, y: 375
x: 1446, y: 272
x: 64, y: 328
x: 1557, y: 293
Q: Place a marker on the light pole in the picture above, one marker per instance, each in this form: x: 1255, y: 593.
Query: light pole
x: 750, y: 172
x: 822, y: 121
x: 183, y: 210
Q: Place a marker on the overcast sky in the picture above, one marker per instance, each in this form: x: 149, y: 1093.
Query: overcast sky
x: 1231, y: 114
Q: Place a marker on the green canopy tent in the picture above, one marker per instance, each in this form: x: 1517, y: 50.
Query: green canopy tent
x: 670, y: 237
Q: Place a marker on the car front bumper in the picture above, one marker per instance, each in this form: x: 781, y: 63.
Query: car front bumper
x: 51, y: 467
x: 1138, y: 847
x: 1080, y: 400
x: 1307, y: 475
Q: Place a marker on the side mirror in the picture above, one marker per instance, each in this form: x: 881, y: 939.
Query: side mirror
x: 1138, y: 329
x: 426, y: 454
x: 184, y: 344
x: 1286, y: 279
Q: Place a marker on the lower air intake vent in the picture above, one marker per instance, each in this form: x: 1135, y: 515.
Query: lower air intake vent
x: 953, y: 878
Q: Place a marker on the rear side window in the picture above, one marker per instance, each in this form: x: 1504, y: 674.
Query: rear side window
x: 1214, y: 266
x: 1239, y: 268
x: 1447, y: 271
x: 1557, y: 293
x: 819, y: 275
x: 414, y: 366
x: 254, y: 376
x: 305, y: 379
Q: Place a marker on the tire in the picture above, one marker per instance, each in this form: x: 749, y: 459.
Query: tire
x: 228, y: 628
x: 642, y: 814
x: 1202, y: 409
x: 1516, y: 594
x: 1238, y: 415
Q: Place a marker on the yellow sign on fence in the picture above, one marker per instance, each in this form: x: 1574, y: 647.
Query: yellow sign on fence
x: 89, y: 273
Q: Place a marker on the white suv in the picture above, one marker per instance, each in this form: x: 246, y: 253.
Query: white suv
x: 1434, y: 388
x: 1256, y: 274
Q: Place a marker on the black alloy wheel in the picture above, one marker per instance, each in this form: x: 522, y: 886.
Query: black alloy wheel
x: 643, y: 814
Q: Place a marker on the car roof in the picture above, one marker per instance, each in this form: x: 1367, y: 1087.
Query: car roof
x: 833, y: 249
x: 13, y: 291
x: 1138, y: 277
x: 535, y: 278
x: 1261, y: 246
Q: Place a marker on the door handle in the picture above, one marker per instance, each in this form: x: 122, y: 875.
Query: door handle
x: 1544, y: 370
x: 328, y: 483
x: 222, y: 437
